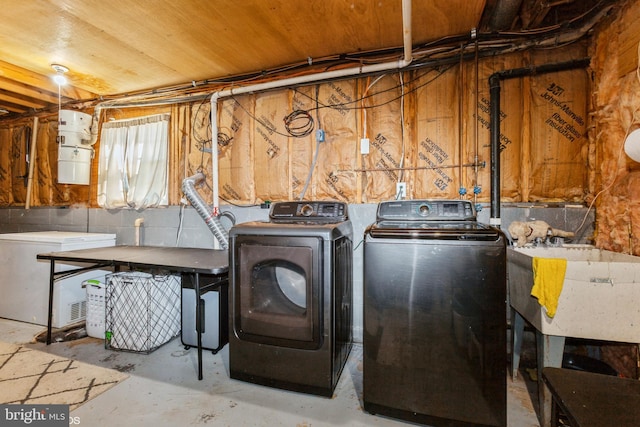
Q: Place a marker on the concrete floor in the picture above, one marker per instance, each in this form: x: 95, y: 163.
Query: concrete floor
x: 163, y: 390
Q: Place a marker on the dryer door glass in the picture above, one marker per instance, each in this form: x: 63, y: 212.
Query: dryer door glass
x: 277, y: 296
x: 292, y: 283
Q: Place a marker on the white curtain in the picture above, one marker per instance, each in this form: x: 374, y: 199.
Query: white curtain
x: 133, y: 164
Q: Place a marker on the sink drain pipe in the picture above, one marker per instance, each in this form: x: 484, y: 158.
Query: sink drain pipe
x: 494, y: 119
x: 212, y: 221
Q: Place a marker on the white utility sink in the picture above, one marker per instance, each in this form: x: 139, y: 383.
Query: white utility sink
x: 599, y: 298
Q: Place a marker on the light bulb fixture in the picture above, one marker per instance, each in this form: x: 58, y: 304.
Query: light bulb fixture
x: 59, y: 77
x: 60, y: 80
x: 632, y: 144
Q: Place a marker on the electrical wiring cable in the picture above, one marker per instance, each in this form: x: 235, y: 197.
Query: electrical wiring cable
x: 402, y: 95
x: 345, y: 105
x: 310, y: 174
x: 598, y: 6
x: 489, y: 41
x: 364, y: 109
x: 431, y: 54
x: 305, y: 126
x: 224, y: 139
x: 615, y: 178
x: 250, y: 205
x: 196, y: 136
x: 258, y: 120
x: 358, y: 245
x: 315, y: 156
x: 299, y: 123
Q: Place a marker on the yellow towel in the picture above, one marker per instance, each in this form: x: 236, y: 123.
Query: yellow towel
x: 548, y: 277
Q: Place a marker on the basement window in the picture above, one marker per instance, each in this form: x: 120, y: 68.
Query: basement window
x: 133, y: 163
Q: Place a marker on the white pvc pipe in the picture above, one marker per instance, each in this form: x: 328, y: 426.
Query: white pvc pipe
x: 137, y: 224
x: 406, y: 30
x: 328, y: 75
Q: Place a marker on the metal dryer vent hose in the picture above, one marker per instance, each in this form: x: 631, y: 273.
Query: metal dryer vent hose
x: 212, y: 221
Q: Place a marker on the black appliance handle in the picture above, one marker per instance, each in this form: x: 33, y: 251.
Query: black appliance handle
x: 435, y: 235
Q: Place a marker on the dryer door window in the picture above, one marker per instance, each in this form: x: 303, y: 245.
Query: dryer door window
x: 277, y: 292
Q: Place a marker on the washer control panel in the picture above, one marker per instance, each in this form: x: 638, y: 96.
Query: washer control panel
x: 308, y: 211
x: 426, y: 210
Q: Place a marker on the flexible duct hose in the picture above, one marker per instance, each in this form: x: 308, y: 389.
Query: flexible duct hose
x: 212, y: 221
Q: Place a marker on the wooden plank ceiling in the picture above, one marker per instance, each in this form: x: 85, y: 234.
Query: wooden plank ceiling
x: 118, y: 47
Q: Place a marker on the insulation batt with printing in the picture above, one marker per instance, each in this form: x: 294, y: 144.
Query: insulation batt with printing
x: 413, y: 124
x: 426, y: 127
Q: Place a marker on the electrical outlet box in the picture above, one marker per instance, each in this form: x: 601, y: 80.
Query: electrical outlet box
x: 364, y: 146
x: 401, y: 190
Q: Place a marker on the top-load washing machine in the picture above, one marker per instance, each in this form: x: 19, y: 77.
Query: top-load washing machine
x: 435, y: 332
x: 290, y: 309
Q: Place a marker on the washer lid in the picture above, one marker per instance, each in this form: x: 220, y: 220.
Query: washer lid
x: 433, y: 230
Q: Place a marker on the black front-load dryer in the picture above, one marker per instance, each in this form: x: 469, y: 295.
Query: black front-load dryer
x: 290, y: 305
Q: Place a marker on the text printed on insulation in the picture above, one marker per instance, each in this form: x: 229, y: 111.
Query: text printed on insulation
x: 562, y: 120
x: 439, y: 155
x: 378, y: 142
x: 332, y: 181
x: 235, y: 121
x: 484, y: 106
x: 339, y: 99
x: 386, y: 162
x: 273, y: 149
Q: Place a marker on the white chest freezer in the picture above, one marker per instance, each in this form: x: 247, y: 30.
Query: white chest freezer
x: 24, y: 280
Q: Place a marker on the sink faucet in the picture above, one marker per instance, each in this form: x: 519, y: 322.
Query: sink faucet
x: 550, y: 241
x: 556, y: 241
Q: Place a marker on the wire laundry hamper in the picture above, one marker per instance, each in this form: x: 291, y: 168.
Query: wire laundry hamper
x: 142, y: 310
